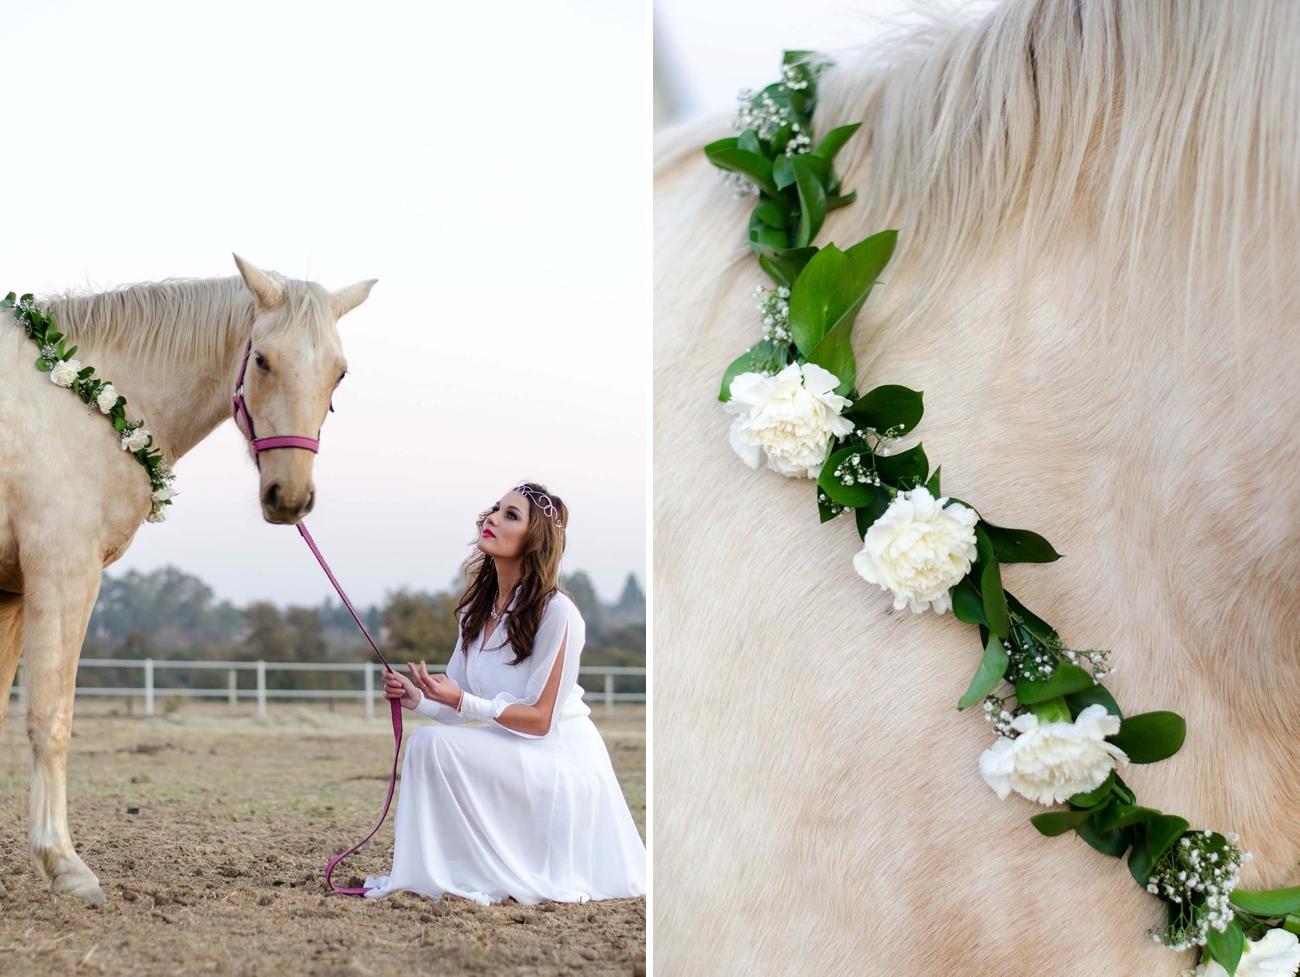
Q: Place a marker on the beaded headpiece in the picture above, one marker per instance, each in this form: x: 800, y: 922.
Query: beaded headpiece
x: 543, y: 501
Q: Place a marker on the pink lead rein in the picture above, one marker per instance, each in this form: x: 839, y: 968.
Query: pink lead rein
x: 240, y: 411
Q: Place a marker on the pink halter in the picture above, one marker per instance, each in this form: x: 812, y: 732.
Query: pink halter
x: 240, y: 410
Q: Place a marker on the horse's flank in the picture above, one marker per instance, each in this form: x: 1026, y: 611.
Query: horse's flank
x: 1096, y: 287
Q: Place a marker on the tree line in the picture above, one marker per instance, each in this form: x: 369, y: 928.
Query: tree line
x: 167, y: 613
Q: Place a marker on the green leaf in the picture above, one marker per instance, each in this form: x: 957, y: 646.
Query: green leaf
x: 761, y: 358
x: 1034, y: 624
x: 834, y: 201
x: 1064, y: 680
x: 905, y: 470
x: 1095, y: 796
x: 824, y: 510
x: 1120, y: 815
x: 1292, y: 923
x: 783, y: 264
x: 1269, y: 902
x: 967, y: 605
x: 1058, y: 822
x: 72, y: 352
x: 1226, y: 947
x: 1019, y: 545
x: 782, y: 172
x: 869, y: 256
x: 812, y: 201
x: 835, y: 353
x: 53, y: 337
x: 1053, y: 710
x: 753, y: 165
x: 1113, y: 843
x: 821, y: 295
x: 834, y: 140
x: 769, y: 212
x: 45, y: 366
x: 995, y: 601
x: 1151, y: 736
x: 932, y: 486
x: 989, y: 674
x: 748, y: 141
x: 780, y: 139
x: 85, y: 373
x: 1093, y: 695
x: 119, y: 422
x: 888, y: 407
x: 856, y: 495
x: 1156, y: 836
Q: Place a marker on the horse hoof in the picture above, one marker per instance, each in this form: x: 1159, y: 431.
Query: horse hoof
x: 81, y: 884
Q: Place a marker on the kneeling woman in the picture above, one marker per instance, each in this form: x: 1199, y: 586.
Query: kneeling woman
x: 528, y: 805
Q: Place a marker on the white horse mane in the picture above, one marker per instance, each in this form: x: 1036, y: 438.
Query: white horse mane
x: 142, y: 318
x: 1055, y: 121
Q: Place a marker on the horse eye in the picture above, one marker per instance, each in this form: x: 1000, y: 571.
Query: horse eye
x: 261, y: 363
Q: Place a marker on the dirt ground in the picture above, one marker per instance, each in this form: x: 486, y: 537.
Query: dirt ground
x: 209, y: 831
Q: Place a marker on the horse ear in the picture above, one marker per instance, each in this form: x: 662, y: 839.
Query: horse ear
x: 347, y: 299
x: 267, y: 293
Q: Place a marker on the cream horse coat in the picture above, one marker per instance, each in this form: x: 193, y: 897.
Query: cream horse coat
x: 1097, y: 289
x: 71, y: 500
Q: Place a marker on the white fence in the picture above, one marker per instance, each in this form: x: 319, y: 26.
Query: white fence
x: 232, y: 693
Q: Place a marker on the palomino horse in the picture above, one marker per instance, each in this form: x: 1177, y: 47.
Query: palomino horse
x: 1097, y: 289
x: 71, y: 500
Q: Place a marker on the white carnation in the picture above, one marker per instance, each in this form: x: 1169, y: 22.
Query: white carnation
x: 164, y: 493
x: 135, y: 440
x: 1049, y: 762
x: 107, y: 398
x: 64, y: 372
x: 157, y: 514
x: 1275, y: 954
x: 919, y: 550
x: 791, y: 417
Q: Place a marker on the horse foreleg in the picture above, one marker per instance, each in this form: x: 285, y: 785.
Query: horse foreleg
x: 55, y: 614
x: 11, y: 645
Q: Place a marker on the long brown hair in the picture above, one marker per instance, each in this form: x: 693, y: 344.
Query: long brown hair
x: 539, y: 576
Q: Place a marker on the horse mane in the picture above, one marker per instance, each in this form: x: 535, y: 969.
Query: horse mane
x: 1166, y: 129
x: 181, y: 320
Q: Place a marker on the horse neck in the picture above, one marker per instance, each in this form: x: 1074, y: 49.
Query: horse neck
x: 171, y: 349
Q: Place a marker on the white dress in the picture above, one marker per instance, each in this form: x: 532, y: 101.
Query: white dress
x: 485, y: 812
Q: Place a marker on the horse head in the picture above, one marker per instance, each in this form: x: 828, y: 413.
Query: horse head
x: 293, y: 363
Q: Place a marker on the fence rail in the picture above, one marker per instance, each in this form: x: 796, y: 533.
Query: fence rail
x: 151, y: 691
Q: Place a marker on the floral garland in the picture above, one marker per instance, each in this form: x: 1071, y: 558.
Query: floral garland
x: 57, y: 360
x: 1061, y: 736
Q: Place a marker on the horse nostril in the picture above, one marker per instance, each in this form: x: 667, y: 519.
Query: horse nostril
x: 311, y: 501
x: 271, y: 499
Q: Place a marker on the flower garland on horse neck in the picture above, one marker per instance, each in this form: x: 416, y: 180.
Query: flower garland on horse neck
x: 1060, y: 735
x: 65, y: 371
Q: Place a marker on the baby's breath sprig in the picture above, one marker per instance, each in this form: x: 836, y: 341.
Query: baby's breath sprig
x: 58, y: 360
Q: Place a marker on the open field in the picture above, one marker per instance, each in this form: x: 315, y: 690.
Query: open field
x: 209, y: 830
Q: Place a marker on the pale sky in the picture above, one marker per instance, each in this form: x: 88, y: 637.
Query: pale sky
x: 710, y: 49
x: 488, y: 163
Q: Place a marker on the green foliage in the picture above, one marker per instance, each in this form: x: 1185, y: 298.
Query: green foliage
x: 990, y: 673
x: 1151, y: 736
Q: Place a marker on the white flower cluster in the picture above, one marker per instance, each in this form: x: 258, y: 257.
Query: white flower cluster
x: 135, y: 438
x: 1050, y: 762
x: 760, y: 113
x: 852, y: 471
x: 1275, y: 954
x: 64, y: 372
x: 790, y: 417
x: 774, y: 305
x: 106, y: 399
x: 1198, y: 873
x: 740, y: 184
x: 919, y: 549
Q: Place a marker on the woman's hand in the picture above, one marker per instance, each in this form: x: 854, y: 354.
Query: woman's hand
x: 437, y: 687
x: 399, y: 687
